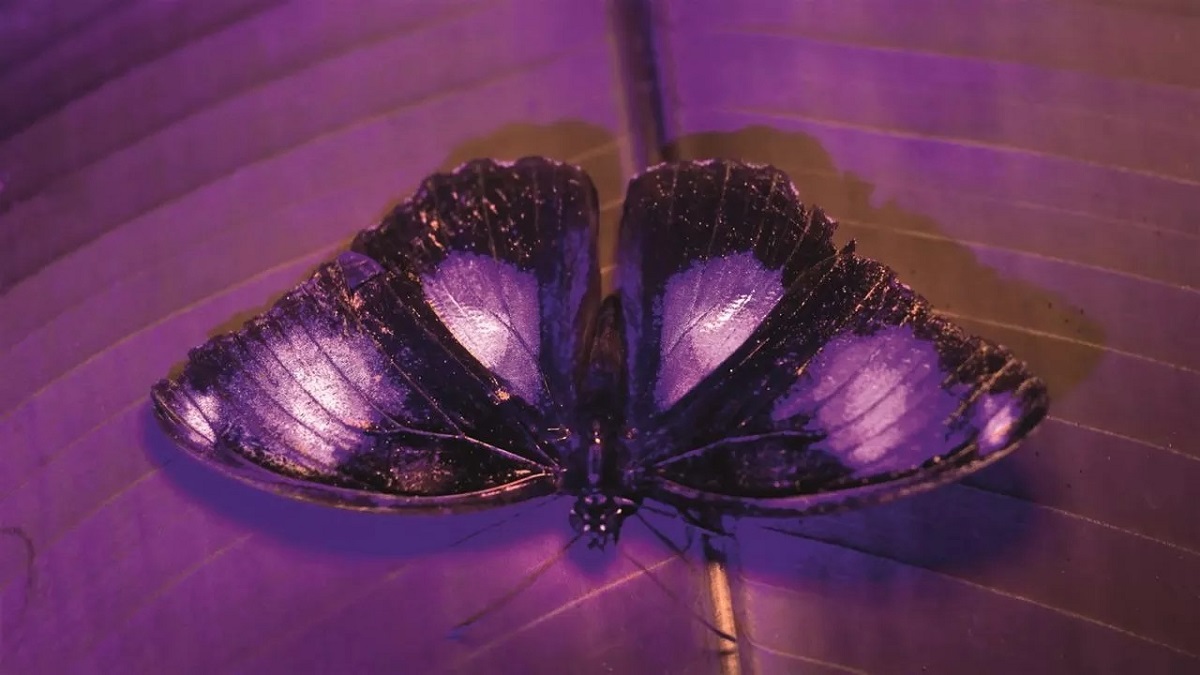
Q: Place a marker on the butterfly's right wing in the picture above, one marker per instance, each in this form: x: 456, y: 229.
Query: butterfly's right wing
x: 771, y: 375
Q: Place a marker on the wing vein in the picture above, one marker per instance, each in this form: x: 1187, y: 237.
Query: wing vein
x: 736, y: 440
x: 433, y: 404
x: 469, y: 439
x: 292, y: 375
x: 338, y: 369
x: 533, y: 445
x: 254, y: 381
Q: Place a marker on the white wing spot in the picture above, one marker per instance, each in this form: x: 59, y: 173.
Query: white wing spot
x: 492, y: 309
x: 996, y: 413
x: 877, y: 399
x: 707, y: 312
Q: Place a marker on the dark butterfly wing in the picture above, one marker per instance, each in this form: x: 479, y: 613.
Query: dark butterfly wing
x: 705, y: 251
x: 772, y: 376
x: 419, y: 373
x: 507, y: 255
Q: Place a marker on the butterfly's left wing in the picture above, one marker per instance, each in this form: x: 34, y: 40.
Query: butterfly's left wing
x: 505, y: 248
x: 772, y: 375
x: 433, y: 369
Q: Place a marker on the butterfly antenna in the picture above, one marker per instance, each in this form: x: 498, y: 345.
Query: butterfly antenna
x: 502, y: 521
x: 525, y: 583
x: 689, y: 518
x: 679, y: 551
x: 725, y: 636
x: 718, y: 588
x: 654, y: 509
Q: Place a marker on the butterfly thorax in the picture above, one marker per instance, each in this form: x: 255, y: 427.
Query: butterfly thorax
x: 601, y: 481
x: 600, y: 472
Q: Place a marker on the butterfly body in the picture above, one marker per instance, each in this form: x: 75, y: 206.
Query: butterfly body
x: 460, y: 357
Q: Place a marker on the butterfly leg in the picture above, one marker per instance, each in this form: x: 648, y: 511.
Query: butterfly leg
x: 705, y: 520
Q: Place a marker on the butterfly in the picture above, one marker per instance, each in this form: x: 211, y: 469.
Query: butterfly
x: 460, y: 356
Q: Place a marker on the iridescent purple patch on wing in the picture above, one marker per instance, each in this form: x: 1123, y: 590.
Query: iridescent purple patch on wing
x: 305, y: 392
x: 879, y: 400
x: 708, y: 311
x: 492, y: 309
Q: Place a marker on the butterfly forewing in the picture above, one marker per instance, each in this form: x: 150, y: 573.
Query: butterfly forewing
x: 429, y: 370
x: 506, y: 255
x: 705, y: 251
x: 815, y: 383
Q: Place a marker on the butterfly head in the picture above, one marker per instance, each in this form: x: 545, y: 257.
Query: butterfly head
x: 600, y: 516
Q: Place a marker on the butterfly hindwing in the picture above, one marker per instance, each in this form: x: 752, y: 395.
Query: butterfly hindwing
x: 836, y: 385
x: 345, y: 395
